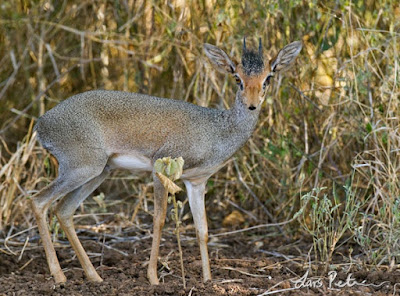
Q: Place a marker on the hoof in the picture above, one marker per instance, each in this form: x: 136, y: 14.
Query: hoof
x: 154, y: 282
x: 94, y: 278
x: 153, y: 279
x: 60, y: 278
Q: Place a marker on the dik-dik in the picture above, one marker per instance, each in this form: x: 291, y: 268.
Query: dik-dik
x: 95, y: 132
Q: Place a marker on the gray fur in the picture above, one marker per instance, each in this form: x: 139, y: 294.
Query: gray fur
x: 109, y: 122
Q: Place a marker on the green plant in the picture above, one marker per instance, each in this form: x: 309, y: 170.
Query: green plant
x: 378, y: 231
x: 328, y: 219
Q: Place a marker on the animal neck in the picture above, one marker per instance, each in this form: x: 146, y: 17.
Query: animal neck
x: 241, y: 123
x: 243, y: 118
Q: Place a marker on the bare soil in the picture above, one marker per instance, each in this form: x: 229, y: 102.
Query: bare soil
x: 242, y: 264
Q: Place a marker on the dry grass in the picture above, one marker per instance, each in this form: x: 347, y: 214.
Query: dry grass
x: 334, y: 118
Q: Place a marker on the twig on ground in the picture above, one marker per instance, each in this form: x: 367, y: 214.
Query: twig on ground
x: 247, y: 273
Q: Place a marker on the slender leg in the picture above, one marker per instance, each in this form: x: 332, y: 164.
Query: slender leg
x: 40, y: 210
x: 65, y: 210
x: 64, y: 184
x: 195, y: 191
x: 160, y: 211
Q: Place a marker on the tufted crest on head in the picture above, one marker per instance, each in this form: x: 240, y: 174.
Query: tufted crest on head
x: 252, y: 61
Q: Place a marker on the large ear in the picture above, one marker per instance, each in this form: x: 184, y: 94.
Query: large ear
x: 219, y: 59
x: 286, y: 57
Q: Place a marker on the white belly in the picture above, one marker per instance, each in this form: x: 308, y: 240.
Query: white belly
x: 131, y: 161
x: 135, y: 161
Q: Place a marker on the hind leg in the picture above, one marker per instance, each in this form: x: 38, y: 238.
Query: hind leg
x: 40, y: 205
x: 65, y: 210
x: 72, y: 175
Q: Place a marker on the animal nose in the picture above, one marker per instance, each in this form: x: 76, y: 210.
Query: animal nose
x: 252, y: 107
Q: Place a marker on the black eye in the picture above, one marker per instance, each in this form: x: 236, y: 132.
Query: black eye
x: 239, y: 82
x: 267, y: 81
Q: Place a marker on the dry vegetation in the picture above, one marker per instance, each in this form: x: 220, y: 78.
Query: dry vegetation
x: 333, y: 122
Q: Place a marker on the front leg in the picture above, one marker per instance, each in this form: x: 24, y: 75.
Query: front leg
x: 160, y: 211
x: 196, y: 191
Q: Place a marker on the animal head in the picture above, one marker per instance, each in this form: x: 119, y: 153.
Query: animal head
x: 251, y: 75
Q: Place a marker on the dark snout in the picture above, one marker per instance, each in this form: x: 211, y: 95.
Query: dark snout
x: 252, y: 107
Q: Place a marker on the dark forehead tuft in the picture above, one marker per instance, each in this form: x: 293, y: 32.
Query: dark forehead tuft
x: 252, y: 62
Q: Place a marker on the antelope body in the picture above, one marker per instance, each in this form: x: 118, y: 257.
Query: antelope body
x: 94, y: 132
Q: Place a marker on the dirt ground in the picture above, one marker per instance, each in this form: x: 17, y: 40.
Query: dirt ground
x: 241, y: 264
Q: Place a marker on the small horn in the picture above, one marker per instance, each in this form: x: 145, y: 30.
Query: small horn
x: 244, y: 44
x: 260, y: 49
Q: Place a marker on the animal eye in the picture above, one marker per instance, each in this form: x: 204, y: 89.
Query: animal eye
x: 239, y: 82
x: 267, y: 81
x: 265, y: 84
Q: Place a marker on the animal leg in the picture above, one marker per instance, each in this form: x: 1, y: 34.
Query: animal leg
x: 160, y: 211
x: 65, y: 210
x: 196, y: 191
